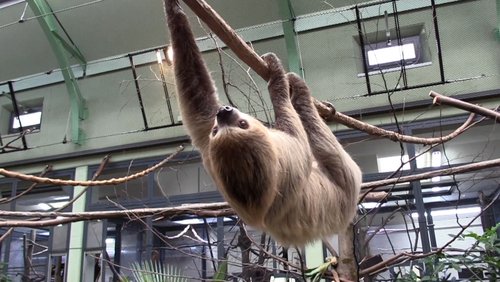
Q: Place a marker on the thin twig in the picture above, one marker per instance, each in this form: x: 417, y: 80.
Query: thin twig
x: 21, y: 135
x: 6, y: 234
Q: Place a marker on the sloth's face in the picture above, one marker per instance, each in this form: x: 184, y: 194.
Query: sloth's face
x: 229, y: 119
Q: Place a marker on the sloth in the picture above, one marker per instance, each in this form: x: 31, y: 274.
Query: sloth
x: 295, y: 180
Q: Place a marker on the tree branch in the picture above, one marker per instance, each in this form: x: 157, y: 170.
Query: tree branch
x: 112, y: 181
x: 430, y: 174
x: 441, y: 99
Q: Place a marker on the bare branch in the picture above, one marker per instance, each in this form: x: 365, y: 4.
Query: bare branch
x: 21, y: 135
x: 430, y: 174
x: 441, y: 99
x: 112, y: 181
x: 394, y: 136
x: 203, y: 210
x: 8, y: 200
x: 6, y: 234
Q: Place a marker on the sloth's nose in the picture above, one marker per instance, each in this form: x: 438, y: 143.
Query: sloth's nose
x: 224, y: 113
x: 224, y: 109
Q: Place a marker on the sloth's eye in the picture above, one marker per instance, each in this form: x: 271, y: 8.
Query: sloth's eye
x: 243, y: 124
x: 215, y: 130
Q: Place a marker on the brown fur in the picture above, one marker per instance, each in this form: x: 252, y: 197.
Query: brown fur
x: 294, y: 181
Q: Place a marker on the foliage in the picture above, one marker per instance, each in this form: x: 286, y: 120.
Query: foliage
x: 482, y: 257
x: 3, y: 270
x: 315, y: 274
x: 221, y: 272
x: 485, y: 253
x: 154, y: 271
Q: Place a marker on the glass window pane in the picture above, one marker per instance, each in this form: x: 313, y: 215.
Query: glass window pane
x: 133, y: 190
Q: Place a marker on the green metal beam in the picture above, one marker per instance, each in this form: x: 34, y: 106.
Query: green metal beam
x: 288, y: 16
x: 72, y: 49
x: 60, y: 47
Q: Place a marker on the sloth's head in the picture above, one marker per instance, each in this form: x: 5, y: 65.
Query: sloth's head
x: 233, y: 124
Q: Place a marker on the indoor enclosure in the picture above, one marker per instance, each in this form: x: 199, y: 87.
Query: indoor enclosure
x: 87, y: 94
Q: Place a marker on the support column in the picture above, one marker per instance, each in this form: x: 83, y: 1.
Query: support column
x: 313, y: 252
x: 77, y: 231
x: 288, y: 16
x: 419, y: 200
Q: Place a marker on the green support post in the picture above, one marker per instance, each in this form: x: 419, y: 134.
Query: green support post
x: 77, y: 231
x: 288, y: 16
x: 60, y: 47
x: 313, y: 252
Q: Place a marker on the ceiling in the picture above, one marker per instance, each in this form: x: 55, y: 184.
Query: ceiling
x: 103, y: 28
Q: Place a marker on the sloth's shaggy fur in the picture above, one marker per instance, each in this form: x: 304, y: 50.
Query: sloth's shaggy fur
x: 294, y: 181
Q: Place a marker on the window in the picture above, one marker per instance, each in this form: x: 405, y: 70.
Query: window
x: 384, y: 52
x: 28, y: 119
x: 389, y: 55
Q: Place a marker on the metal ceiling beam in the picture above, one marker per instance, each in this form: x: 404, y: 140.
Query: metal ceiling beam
x: 61, y: 48
x: 288, y: 16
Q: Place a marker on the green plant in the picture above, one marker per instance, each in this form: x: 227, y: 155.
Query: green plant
x: 151, y: 271
x: 221, y: 272
x: 485, y: 253
x: 315, y: 274
x: 3, y: 273
x: 482, y: 257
